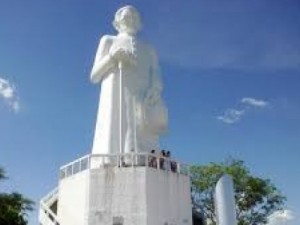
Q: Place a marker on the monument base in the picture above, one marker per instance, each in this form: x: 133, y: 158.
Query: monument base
x: 112, y: 195
x: 141, y: 196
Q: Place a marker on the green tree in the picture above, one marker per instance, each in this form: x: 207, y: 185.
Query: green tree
x: 256, y: 198
x: 13, y: 207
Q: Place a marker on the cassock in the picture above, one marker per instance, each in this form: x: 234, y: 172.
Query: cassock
x: 143, y: 118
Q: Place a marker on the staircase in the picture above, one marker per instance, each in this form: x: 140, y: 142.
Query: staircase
x: 48, y: 209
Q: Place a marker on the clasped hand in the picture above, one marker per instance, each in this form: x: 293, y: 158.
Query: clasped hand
x: 123, y: 55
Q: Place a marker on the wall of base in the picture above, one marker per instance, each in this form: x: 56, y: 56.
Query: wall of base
x: 125, y: 196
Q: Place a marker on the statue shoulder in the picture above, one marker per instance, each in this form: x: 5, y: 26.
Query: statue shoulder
x: 106, y: 40
x: 149, y: 48
x: 147, y: 45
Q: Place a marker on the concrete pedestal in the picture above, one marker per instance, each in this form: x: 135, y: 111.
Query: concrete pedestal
x: 125, y: 196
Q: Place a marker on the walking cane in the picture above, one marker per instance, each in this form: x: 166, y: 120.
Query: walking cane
x: 121, y: 111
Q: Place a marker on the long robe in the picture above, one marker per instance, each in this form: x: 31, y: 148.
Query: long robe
x: 138, y: 81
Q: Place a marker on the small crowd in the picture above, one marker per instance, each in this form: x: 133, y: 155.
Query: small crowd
x: 163, y: 160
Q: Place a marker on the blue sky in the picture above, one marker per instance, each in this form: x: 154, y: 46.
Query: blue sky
x: 231, y: 72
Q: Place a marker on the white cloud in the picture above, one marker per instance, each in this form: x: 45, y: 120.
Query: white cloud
x: 9, y: 95
x: 281, y: 217
x: 231, y: 116
x: 254, y: 102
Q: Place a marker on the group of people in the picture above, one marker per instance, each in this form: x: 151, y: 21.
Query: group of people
x: 162, y: 158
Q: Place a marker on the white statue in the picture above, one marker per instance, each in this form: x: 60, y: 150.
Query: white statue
x: 131, y: 114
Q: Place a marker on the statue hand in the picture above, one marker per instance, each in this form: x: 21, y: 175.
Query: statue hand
x: 123, y: 55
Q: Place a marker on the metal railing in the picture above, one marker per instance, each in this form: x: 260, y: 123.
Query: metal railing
x: 123, y: 160
x: 75, y: 167
x: 46, y: 215
x: 50, y: 197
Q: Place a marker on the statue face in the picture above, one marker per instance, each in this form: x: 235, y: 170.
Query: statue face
x: 127, y: 20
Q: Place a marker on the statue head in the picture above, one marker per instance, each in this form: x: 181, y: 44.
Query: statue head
x: 127, y: 20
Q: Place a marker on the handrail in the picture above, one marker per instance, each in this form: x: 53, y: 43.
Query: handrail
x: 47, y: 212
x: 123, y: 160
x: 50, y: 195
x: 79, y: 159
